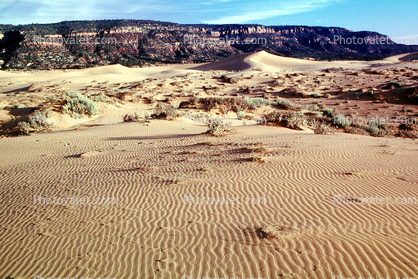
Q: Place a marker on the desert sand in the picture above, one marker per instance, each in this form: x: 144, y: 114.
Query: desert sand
x: 96, y: 197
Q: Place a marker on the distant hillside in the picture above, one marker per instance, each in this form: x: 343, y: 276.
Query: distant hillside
x: 80, y: 44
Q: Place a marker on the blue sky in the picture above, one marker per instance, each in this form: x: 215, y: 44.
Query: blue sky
x: 398, y: 19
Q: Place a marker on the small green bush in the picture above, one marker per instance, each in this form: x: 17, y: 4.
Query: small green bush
x: 241, y: 115
x: 79, y: 104
x: 376, y: 128
x: 373, y: 129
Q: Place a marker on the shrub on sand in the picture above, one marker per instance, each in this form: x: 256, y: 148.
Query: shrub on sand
x: 217, y: 126
x: 79, y: 104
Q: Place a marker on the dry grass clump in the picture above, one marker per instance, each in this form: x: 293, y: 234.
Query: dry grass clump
x: 227, y: 104
x: 217, y: 126
x: 132, y: 117
x: 297, y: 120
x: 275, y: 231
x: 340, y: 121
x: 164, y: 111
x: 328, y: 112
x: 290, y: 119
x: 393, y: 85
x: 227, y: 79
x: 254, y: 157
x: 324, y: 129
x: 376, y: 128
x: 38, y: 121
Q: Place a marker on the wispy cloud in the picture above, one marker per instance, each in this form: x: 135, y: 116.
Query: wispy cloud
x: 285, y: 9
x: 45, y: 11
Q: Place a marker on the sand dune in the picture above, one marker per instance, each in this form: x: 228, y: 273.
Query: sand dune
x: 301, y: 202
x: 265, y: 61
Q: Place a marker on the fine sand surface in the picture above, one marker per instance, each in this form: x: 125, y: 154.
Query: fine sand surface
x: 278, y: 203
x: 156, y: 231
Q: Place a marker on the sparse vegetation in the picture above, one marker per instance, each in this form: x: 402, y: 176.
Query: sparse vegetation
x: 286, y: 104
x: 131, y: 117
x: 376, y: 128
x: 290, y: 119
x: 254, y: 156
x: 254, y: 103
x: 229, y: 79
x: 177, y: 178
x: 18, y: 106
x: 339, y: 120
x: 79, y: 104
x: 217, y: 126
x: 312, y: 107
x: 38, y: 121
x: 241, y: 115
x: 393, y: 84
x: 324, y: 129
x: 164, y: 111
x: 328, y: 112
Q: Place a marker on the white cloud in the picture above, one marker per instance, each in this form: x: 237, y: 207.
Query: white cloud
x: 287, y: 9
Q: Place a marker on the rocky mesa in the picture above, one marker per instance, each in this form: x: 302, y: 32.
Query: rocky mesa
x: 82, y: 44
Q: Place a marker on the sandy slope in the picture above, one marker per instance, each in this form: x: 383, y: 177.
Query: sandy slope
x: 153, y: 232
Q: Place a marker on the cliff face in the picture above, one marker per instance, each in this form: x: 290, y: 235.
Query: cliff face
x: 80, y: 44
